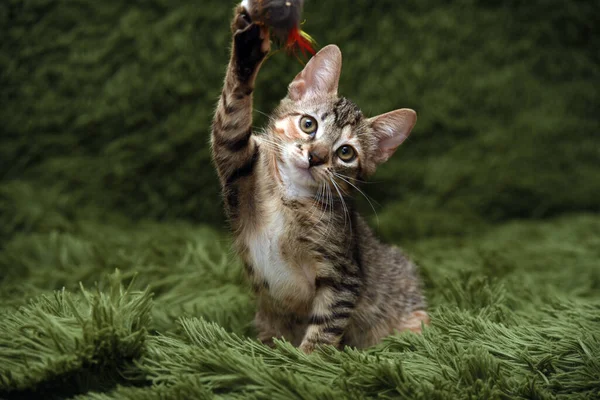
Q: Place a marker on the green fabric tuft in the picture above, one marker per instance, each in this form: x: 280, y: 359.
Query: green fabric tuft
x: 69, y: 343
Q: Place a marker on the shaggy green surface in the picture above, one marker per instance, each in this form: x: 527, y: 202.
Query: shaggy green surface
x: 515, y: 313
x: 116, y: 278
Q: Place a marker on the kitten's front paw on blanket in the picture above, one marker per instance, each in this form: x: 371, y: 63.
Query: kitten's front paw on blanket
x: 307, y: 347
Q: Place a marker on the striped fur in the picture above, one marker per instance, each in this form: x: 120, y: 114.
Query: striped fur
x: 320, y: 275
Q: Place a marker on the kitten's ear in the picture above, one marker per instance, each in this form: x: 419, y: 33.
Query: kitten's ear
x: 390, y: 130
x: 320, y: 76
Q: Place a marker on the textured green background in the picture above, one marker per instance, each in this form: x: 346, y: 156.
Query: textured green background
x: 105, y: 110
x: 112, y: 102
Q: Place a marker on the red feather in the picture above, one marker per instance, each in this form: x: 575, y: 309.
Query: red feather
x: 296, y: 40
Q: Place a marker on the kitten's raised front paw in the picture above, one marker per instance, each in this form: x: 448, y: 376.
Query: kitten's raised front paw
x: 253, y: 40
x: 250, y: 46
x: 251, y: 43
x: 241, y: 19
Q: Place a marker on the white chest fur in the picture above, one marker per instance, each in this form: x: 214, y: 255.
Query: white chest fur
x: 264, y: 248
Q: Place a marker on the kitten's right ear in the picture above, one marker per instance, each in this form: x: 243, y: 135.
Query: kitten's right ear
x: 320, y: 76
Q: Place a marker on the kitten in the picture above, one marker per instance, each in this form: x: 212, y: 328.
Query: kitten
x: 320, y: 275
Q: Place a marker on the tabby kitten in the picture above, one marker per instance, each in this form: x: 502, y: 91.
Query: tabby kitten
x: 320, y: 275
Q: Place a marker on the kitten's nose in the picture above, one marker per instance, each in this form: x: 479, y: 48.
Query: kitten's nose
x: 316, y: 157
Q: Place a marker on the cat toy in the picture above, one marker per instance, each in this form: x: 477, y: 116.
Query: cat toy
x: 283, y: 19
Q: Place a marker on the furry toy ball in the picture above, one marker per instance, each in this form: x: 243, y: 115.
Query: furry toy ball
x: 283, y: 18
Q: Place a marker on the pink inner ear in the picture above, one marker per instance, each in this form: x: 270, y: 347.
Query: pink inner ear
x: 391, y: 129
x: 297, y: 89
x: 320, y: 76
x: 389, y: 144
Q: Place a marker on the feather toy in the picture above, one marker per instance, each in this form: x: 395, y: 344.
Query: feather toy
x: 283, y: 19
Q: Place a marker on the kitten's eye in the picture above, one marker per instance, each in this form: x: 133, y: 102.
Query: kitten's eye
x: 308, y: 124
x: 346, y: 153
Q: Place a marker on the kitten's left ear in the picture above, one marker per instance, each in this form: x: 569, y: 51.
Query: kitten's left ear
x: 320, y: 76
x: 390, y: 130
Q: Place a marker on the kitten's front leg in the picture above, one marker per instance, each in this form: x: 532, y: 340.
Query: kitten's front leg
x: 332, y: 308
x: 232, y: 143
x: 272, y: 324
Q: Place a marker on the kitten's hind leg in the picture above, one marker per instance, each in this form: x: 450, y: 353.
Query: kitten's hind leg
x: 414, y: 322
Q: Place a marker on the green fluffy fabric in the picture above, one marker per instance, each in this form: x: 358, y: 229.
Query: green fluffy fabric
x: 515, y: 313
x: 116, y: 274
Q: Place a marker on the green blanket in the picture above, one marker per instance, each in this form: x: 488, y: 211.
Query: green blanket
x: 116, y: 274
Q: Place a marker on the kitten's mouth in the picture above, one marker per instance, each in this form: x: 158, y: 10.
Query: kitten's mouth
x: 294, y: 173
x: 304, y: 170
x: 306, y: 175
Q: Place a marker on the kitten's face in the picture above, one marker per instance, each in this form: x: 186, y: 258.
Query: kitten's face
x: 321, y: 140
x: 320, y: 143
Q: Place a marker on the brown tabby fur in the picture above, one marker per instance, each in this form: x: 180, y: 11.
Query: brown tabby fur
x: 320, y: 275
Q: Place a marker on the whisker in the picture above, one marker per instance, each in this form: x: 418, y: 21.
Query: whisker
x: 271, y: 147
x: 328, y: 208
x: 265, y: 114
x: 271, y: 144
x: 362, y: 193
x: 330, y: 220
x: 265, y: 140
x: 316, y: 201
x: 349, y: 177
x: 346, y: 212
x: 326, y: 202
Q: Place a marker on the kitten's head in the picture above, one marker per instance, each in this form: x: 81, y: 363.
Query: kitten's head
x: 319, y: 138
